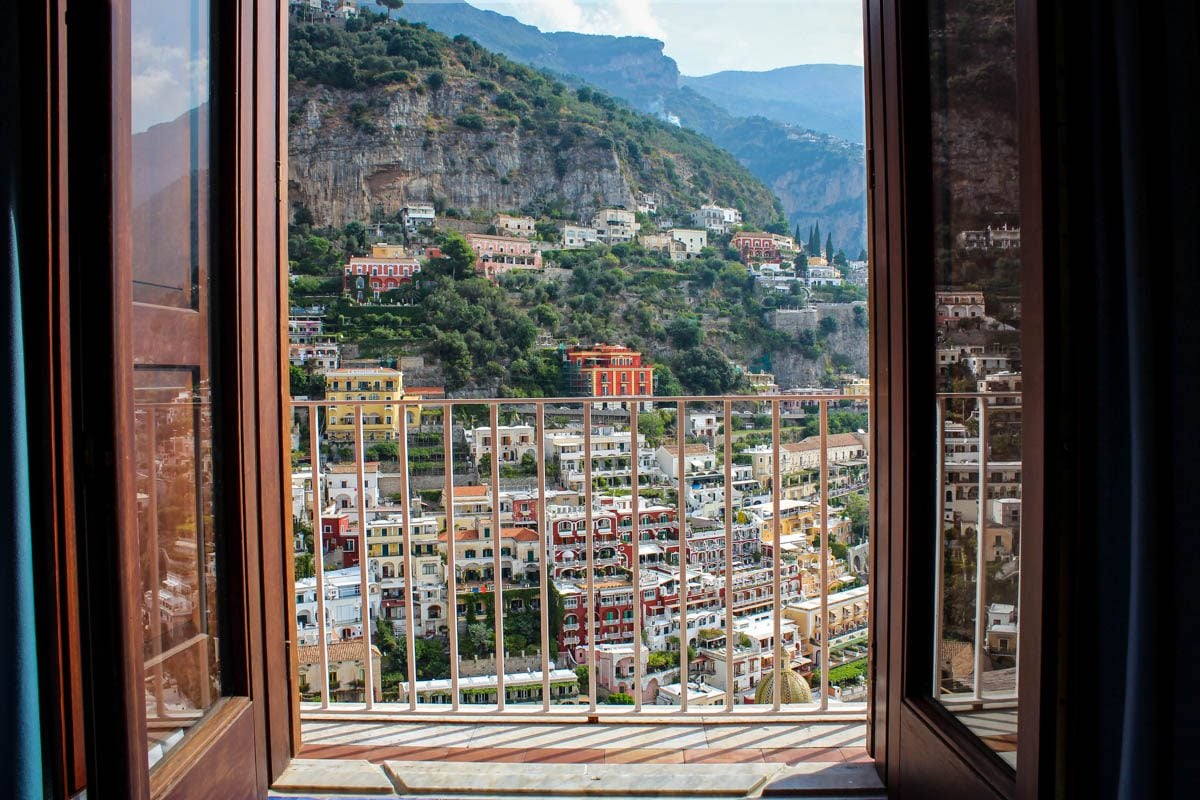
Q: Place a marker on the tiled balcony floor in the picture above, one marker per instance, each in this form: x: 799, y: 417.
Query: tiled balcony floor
x: 408, y: 759
x: 578, y: 743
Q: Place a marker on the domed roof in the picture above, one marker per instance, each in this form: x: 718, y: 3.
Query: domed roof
x: 794, y: 689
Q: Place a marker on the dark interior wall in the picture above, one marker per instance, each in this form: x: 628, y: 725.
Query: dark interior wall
x: 1123, y: 394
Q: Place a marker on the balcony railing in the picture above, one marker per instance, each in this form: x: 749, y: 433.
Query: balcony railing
x: 784, y: 648
x: 1002, y: 468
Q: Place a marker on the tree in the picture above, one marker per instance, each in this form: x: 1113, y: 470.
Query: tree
x: 304, y: 567
x: 383, y: 451
x: 458, y: 259
x: 814, y: 241
x: 858, y: 509
x: 829, y: 248
x: 619, y: 699
x: 862, y: 255
x: 665, y: 382
x: 393, y: 5
x: 651, y: 425
x: 705, y: 370
x: 684, y: 332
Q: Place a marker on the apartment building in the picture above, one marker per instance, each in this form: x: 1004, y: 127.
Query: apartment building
x: 515, y: 442
x: 383, y: 386
x: 608, y: 371
x: 576, y: 237
x: 615, y: 225
x: 716, y: 218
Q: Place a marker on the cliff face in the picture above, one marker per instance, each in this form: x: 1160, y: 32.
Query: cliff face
x: 410, y: 149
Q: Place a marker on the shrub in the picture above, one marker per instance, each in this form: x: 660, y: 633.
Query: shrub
x: 472, y: 122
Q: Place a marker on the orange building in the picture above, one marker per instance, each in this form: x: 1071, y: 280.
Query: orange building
x: 607, y: 370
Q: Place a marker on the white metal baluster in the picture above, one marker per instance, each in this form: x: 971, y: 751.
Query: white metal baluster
x: 410, y: 579
x: 826, y: 626
x: 939, y: 548
x: 546, y: 558
x: 729, y: 640
x: 681, y: 502
x: 776, y: 557
x: 592, y: 604
x: 451, y: 546
x: 314, y: 447
x: 497, y: 561
x: 636, y: 558
x: 360, y: 457
x: 980, y: 559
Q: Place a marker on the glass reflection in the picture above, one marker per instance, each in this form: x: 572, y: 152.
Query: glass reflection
x: 171, y: 236
x: 977, y: 239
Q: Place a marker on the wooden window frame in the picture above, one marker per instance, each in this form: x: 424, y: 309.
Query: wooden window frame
x: 91, y: 659
x: 903, y: 452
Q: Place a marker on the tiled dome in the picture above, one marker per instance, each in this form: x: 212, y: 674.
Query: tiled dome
x: 794, y: 689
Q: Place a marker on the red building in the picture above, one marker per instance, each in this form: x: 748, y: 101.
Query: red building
x: 387, y: 268
x: 756, y: 246
x: 607, y: 370
x: 336, y: 535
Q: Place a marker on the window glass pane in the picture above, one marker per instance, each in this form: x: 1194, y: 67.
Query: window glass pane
x: 977, y: 241
x: 171, y: 227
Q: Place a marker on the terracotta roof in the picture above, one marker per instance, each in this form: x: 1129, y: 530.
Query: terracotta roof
x: 349, y: 650
x: 520, y: 534
x: 461, y: 536
x: 369, y: 466
x: 814, y: 442
x: 426, y: 391
x: 470, y: 491
x: 689, y: 450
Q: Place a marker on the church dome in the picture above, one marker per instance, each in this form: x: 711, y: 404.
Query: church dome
x: 794, y: 689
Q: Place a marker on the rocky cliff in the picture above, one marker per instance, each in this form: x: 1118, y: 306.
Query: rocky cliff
x: 413, y: 151
x: 401, y: 114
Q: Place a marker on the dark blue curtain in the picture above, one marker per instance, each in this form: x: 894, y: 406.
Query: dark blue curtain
x: 20, y: 729
x: 1124, y: 399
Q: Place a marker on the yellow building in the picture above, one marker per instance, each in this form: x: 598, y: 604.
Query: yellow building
x: 381, y: 419
x: 857, y: 387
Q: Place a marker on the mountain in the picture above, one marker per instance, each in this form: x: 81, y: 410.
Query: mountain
x: 633, y: 68
x: 395, y: 113
x: 822, y: 97
x: 815, y: 174
x: 818, y: 177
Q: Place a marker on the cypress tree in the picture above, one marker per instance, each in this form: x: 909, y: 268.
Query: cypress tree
x: 829, y: 248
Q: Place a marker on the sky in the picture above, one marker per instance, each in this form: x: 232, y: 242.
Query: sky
x: 169, y: 54
x: 706, y: 36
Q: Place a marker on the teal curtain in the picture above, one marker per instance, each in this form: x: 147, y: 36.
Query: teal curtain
x: 20, y: 728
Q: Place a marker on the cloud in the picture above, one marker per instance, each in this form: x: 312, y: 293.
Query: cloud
x: 164, y: 81
x: 611, y: 17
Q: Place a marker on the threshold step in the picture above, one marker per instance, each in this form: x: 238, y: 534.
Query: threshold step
x: 827, y: 781
x: 578, y: 780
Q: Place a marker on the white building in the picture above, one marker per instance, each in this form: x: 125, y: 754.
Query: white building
x: 340, y: 486
x: 515, y: 442
x: 716, y: 218
x: 615, y: 225
x: 515, y: 226
x: 693, y: 241
x: 576, y: 237
x: 417, y: 215
x: 343, y: 606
